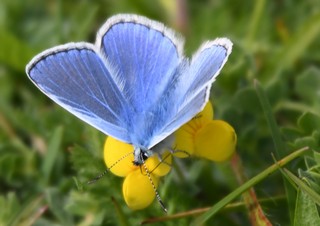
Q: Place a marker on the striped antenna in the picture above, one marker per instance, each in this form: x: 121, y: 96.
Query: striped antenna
x: 154, y: 187
x: 108, y: 169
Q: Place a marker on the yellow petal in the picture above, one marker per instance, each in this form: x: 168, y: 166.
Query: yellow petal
x: 184, y: 141
x: 206, y: 114
x: 216, y: 141
x: 185, y: 135
x: 114, y: 152
x: 159, y: 168
x: 137, y: 190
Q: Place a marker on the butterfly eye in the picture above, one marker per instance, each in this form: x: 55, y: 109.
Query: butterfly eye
x: 144, y: 155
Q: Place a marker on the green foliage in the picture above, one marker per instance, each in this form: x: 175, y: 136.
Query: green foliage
x: 306, y: 211
x: 268, y: 91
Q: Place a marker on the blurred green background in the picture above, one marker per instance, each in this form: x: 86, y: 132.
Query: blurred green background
x: 46, y: 153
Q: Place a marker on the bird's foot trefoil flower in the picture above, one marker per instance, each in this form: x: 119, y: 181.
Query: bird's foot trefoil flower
x: 138, y: 190
x: 202, y: 136
x: 206, y: 138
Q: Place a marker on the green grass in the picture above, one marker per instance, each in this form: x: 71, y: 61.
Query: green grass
x: 268, y: 91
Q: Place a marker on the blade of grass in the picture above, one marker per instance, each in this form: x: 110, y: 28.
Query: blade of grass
x: 254, y: 22
x: 289, y: 181
x: 306, y: 210
x: 274, y: 129
x: 122, y: 219
x: 230, y: 207
x: 297, y: 45
x: 255, y: 212
x: 30, y: 212
x: 305, y: 188
x: 14, y: 52
x: 250, y: 183
x: 56, y: 204
x: 52, y: 153
x: 278, y: 142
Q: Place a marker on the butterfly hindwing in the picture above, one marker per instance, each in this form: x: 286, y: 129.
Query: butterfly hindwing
x: 194, y: 85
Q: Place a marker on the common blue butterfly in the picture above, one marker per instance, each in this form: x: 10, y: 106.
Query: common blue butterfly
x: 134, y: 83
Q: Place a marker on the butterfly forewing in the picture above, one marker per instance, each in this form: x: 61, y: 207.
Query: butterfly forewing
x: 75, y: 77
x: 143, y: 54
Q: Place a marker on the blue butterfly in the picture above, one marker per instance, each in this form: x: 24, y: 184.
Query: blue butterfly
x: 134, y: 83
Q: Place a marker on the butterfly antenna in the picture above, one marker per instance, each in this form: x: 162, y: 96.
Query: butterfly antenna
x: 154, y: 188
x: 162, y: 161
x: 94, y: 180
x: 108, y: 169
x: 174, y: 150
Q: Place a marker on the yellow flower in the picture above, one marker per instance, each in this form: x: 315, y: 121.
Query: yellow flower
x: 118, y: 157
x: 202, y: 137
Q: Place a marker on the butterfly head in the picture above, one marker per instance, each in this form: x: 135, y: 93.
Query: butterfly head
x: 141, y: 154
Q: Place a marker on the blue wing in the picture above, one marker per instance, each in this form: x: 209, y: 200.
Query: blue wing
x: 193, y: 88
x: 144, y: 55
x: 146, y: 59
x: 75, y: 77
x: 134, y: 84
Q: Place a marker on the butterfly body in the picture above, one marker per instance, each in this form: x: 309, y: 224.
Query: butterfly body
x: 134, y: 83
